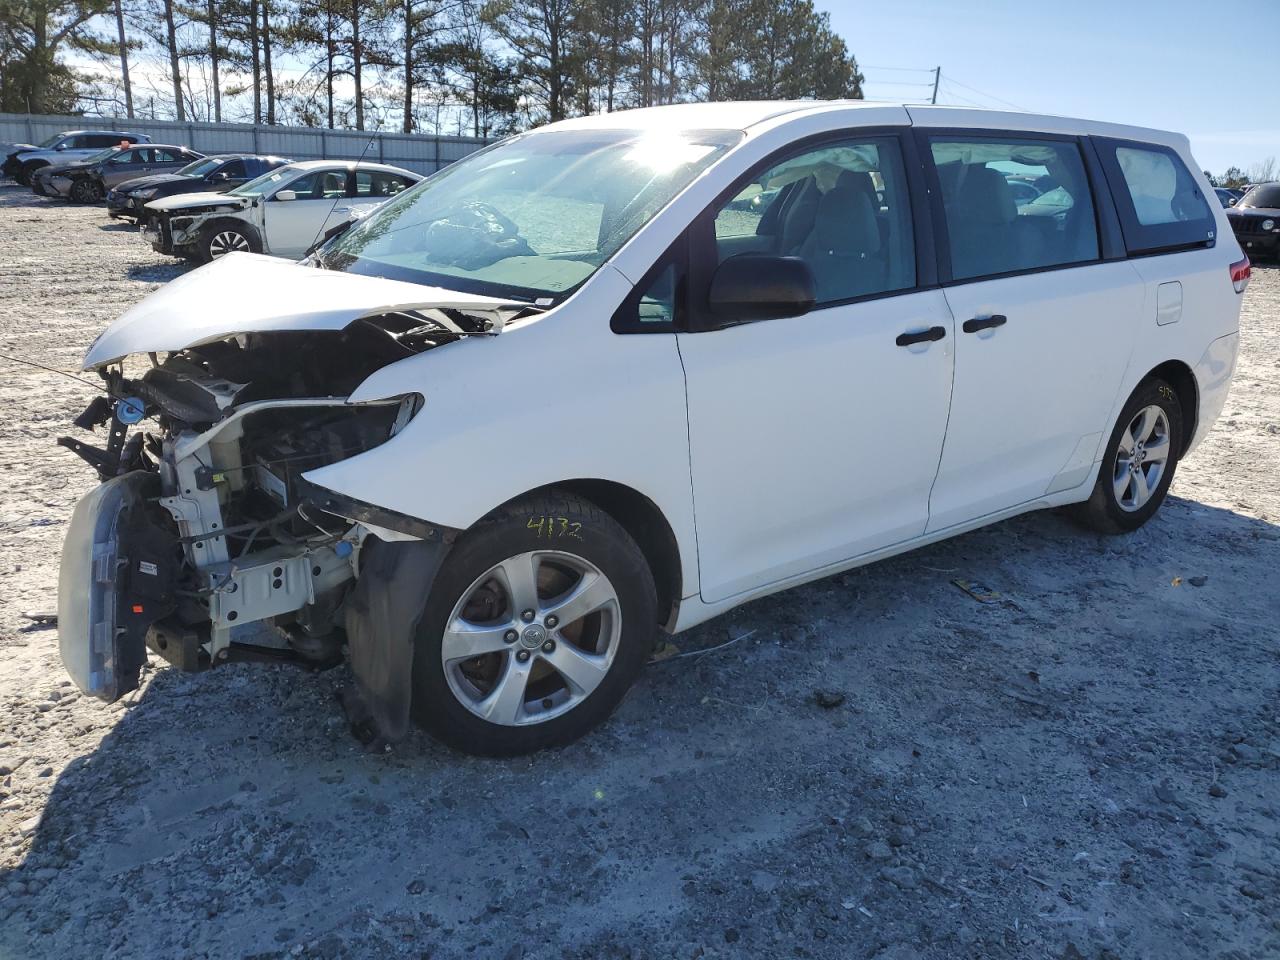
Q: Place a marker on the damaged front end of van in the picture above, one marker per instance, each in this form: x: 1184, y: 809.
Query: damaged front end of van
x: 208, y: 539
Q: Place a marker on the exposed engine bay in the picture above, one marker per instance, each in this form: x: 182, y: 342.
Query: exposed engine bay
x: 205, y: 542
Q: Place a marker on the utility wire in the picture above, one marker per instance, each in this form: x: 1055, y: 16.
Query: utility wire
x: 948, y: 78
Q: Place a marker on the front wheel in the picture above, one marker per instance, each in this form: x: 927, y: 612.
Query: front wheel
x: 219, y: 239
x: 85, y: 191
x: 537, y: 625
x: 1141, y: 456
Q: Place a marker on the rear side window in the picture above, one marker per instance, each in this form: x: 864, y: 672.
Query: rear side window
x: 376, y: 183
x: 1014, y: 205
x: 1159, y: 204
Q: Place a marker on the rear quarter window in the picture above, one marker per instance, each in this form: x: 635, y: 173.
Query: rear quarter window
x: 1161, y: 207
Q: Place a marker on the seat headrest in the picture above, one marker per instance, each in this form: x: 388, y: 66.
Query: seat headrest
x: 985, y: 196
x: 858, y: 180
x: 845, y: 224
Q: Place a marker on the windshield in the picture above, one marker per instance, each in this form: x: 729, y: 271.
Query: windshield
x: 51, y: 141
x: 198, y: 168
x: 529, y: 218
x: 268, y: 181
x: 1263, y: 195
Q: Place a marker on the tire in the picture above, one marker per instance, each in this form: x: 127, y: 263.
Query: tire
x: 1152, y: 417
x: 23, y: 176
x: 85, y: 191
x: 223, y: 237
x: 531, y: 704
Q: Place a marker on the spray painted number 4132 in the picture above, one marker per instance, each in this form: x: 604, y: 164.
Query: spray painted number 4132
x: 556, y: 527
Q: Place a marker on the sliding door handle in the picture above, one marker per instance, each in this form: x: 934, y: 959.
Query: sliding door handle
x: 985, y: 323
x: 921, y: 336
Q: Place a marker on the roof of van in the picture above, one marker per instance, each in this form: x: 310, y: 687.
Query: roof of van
x: 742, y: 115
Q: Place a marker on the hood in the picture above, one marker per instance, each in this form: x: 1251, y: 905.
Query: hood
x: 181, y: 201
x: 53, y: 169
x: 9, y: 149
x: 154, y: 180
x: 253, y: 293
x: 1239, y: 211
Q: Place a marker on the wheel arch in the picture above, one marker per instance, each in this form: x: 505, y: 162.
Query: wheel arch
x: 1179, y: 376
x: 647, y: 525
x: 247, y: 228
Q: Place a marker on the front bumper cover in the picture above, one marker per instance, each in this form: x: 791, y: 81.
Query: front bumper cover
x: 115, y: 580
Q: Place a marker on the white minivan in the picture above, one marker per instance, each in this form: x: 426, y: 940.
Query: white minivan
x: 623, y: 373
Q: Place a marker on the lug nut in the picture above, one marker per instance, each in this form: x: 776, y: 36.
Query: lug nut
x: 553, y: 621
x: 549, y: 647
x: 511, y: 636
x: 522, y: 655
x: 527, y: 616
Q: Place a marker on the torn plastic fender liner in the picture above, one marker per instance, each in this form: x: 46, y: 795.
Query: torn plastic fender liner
x: 383, y: 616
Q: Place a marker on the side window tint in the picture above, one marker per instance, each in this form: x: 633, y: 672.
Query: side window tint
x: 233, y: 168
x: 1159, y: 204
x: 1014, y: 205
x: 843, y: 208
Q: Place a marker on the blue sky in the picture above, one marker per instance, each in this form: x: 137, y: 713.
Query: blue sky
x: 1171, y: 64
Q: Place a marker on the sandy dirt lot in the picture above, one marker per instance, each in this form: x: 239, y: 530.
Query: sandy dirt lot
x: 884, y: 768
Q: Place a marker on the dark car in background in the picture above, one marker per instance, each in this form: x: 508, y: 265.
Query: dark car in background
x: 215, y: 174
x: 69, y: 146
x: 89, y: 182
x: 41, y: 178
x: 1255, y: 220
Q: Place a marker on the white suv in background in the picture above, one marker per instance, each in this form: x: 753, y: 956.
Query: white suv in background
x: 281, y: 213
x: 629, y: 371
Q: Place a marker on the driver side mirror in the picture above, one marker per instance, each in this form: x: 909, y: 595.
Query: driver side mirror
x: 61, y: 146
x: 219, y: 177
x: 1233, y: 201
x: 285, y: 195
x: 753, y: 286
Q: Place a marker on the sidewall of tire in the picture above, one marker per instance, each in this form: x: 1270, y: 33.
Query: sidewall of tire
x: 606, y: 545
x: 1102, y: 510
x: 211, y: 230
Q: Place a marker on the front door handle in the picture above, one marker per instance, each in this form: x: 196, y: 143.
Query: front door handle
x: 921, y: 336
x: 985, y: 323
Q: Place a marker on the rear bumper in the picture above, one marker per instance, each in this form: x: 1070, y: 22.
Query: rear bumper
x: 1213, y: 377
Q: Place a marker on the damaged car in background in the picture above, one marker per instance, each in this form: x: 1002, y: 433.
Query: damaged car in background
x: 580, y: 387
x: 283, y: 212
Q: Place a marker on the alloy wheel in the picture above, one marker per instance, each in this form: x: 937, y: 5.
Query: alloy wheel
x: 1142, y: 458
x: 227, y: 241
x: 531, y: 638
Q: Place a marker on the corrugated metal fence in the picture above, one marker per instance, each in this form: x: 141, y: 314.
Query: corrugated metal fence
x: 424, y: 154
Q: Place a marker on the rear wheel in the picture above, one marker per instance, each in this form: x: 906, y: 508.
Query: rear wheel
x: 1142, y: 454
x: 537, y: 625
x: 84, y: 190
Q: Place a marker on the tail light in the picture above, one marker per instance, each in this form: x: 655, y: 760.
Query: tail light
x: 1240, y: 274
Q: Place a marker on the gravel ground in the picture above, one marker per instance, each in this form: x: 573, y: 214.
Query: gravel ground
x: 883, y: 767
